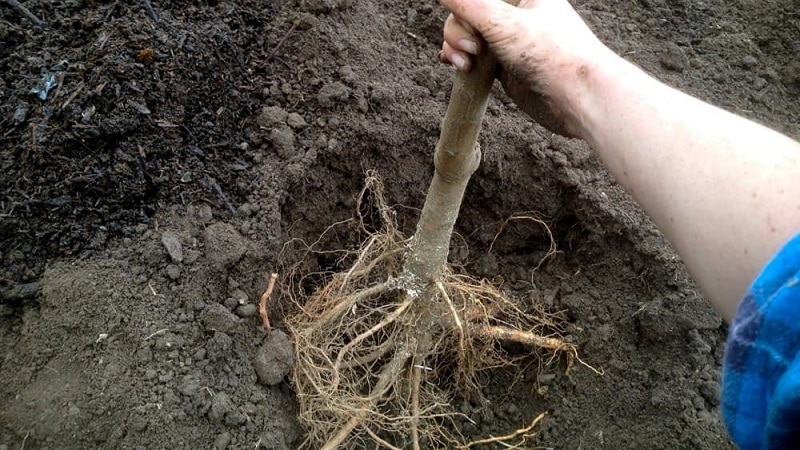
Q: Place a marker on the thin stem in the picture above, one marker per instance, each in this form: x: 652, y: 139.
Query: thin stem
x: 456, y: 158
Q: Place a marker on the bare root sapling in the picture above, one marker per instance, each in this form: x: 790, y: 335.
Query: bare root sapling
x: 384, y: 346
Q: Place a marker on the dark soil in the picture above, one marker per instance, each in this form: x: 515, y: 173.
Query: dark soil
x: 146, y: 200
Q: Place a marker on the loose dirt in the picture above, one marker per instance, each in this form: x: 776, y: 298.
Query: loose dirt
x: 187, y: 150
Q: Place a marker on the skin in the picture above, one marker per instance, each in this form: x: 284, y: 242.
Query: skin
x: 725, y: 191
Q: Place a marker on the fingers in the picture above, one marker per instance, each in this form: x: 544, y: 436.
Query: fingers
x: 477, y: 13
x: 457, y: 58
x: 459, y: 42
x: 460, y: 36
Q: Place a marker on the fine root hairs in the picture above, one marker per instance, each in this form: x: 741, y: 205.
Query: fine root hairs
x: 551, y: 251
x: 379, y: 360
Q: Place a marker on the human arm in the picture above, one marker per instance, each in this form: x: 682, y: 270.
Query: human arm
x: 725, y: 191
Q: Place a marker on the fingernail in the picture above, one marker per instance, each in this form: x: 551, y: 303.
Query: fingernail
x: 458, y: 61
x: 468, y: 46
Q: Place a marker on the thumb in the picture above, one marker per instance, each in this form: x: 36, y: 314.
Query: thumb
x: 480, y: 14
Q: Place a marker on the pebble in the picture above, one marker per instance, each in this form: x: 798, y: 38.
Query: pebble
x: 348, y: 74
x: 295, y: 121
x: 411, y: 17
x: 165, y: 378
x: 749, y: 61
x: 274, y: 359
x: 673, y: 58
x: 381, y: 95
x: 219, y: 346
x: 168, y: 342
x: 224, y: 245
x: 710, y: 391
x: 20, y: 114
x: 199, y: 355
x: 247, y: 310
x: 173, y: 272
x: 173, y: 246
x: 221, y: 442
x: 217, y: 318
x: 235, y: 418
x: 189, y: 386
x: 271, y: 116
x: 240, y: 296
x: 220, y: 405
x: 333, y: 93
x: 231, y: 303
x: 283, y: 140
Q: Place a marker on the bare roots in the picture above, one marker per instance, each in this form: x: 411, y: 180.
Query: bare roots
x: 379, y: 360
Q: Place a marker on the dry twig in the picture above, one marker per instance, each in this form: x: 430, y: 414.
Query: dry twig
x: 280, y: 43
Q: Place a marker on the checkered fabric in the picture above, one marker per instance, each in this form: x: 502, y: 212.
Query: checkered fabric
x: 761, y: 372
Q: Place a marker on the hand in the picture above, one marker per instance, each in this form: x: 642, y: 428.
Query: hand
x: 544, y: 49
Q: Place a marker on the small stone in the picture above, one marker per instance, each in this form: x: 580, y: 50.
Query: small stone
x: 221, y: 442
x: 545, y: 378
x: 219, y: 346
x: 333, y: 93
x: 246, y: 209
x: 274, y: 359
x: 673, y: 58
x: 333, y: 145
x: 247, y: 310
x: 220, y: 405
x: 173, y: 272
x: 231, y: 303
x: 168, y: 342
x: 165, y: 378
x: 749, y: 61
x: 150, y: 374
x: 710, y: 391
x: 295, y: 121
x: 234, y: 419
x: 306, y: 21
x: 138, y: 423
x: 324, y: 6
x: 189, y: 386
x: 20, y: 114
x: 199, y: 355
x: 173, y: 246
x: 321, y: 142
x: 271, y: 117
x: 224, y: 246
x: 348, y: 74
x: 411, y: 17
x: 283, y: 140
x: 240, y: 296
x: 217, y: 318
x: 381, y: 95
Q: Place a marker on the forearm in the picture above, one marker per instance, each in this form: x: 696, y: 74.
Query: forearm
x: 725, y: 191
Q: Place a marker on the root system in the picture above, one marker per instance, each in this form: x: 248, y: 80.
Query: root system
x: 379, y: 361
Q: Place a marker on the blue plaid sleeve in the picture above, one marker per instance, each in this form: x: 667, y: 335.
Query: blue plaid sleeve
x: 761, y: 372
